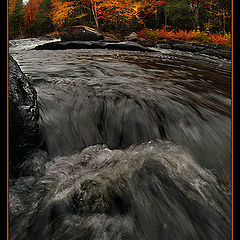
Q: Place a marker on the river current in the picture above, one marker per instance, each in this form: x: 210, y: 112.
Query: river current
x: 113, y: 121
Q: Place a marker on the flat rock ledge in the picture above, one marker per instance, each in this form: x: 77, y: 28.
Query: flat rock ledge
x: 130, y: 46
x: 216, y: 50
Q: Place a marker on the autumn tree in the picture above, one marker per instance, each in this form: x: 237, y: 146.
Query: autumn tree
x: 62, y: 12
x: 11, y: 6
x: 125, y: 15
x: 31, y: 11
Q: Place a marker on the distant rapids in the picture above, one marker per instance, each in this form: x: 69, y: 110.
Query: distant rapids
x: 139, y: 146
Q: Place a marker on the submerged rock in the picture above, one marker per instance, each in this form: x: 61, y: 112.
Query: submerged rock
x: 151, y: 191
x: 24, y: 132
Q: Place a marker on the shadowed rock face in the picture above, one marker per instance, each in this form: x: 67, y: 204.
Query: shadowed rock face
x: 150, y: 191
x: 81, y: 33
x: 23, y: 115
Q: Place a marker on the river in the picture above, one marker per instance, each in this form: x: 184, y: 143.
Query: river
x: 115, y: 104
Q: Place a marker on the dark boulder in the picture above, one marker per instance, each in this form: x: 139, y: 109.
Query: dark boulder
x: 24, y: 132
x: 81, y: 33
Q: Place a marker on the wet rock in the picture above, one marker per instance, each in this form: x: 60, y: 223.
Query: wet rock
x: 184, y: 47
x: 217, y: 50
x: 81, y: 33
x: 209, y: 51
x: 24, y: 132
x: 164, y: 46
x: 34, y: 164
x: 171, y: 42
x: 199, y: 48
x: 224, y: 54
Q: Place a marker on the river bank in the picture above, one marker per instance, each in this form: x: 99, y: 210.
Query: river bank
x: 82, y: 37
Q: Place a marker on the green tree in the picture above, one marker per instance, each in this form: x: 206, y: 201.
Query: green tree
x: 16, y: 20
x: 43, y: 22
x: 179, y: 14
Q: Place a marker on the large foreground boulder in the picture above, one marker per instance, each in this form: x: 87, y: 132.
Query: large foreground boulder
x: 24, y: 132
x: 81, y: 33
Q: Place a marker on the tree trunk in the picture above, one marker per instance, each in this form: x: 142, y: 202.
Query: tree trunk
x: 224, y: 22
x: 94, y: 13
x: 197, y: 17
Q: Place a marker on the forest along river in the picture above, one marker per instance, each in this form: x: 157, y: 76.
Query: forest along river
x: 171, y: 100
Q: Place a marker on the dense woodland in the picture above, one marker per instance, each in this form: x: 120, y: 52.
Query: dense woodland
x: 149, y: 18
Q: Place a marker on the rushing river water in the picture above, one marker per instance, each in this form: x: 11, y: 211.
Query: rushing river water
x: 136, y: 103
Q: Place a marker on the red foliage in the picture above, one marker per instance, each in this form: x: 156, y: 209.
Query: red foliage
x: 31, y: 11
x: 192, y: 35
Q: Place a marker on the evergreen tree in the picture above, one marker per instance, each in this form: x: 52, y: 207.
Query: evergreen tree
x: 43, y: 22
x: 16, y: 20
x: 179, y: 15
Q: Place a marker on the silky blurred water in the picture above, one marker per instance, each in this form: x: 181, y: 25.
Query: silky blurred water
x: 121, y: 97
x: 139, y: 145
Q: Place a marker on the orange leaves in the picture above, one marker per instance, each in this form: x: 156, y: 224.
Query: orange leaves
x: 31, y: 10
x: 118, y: 14
x: 197, y: 36
x: 126, y: 11
x: 61, y: 11
x: 226, y: 39
x: 11, y: 5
